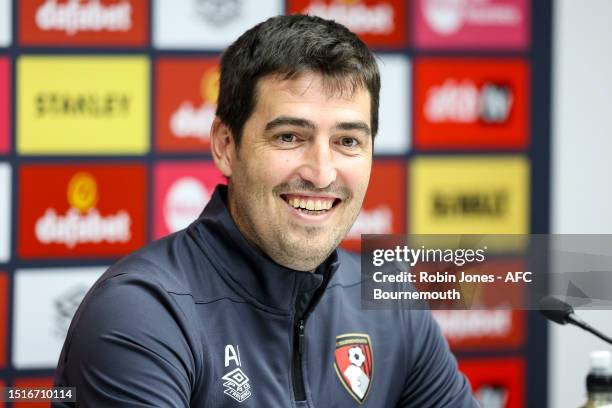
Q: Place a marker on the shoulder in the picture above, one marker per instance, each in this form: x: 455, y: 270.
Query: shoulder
x: 175, y: 264
x: 129, y: 328
x: 162, y: 262
x: 148, y: 290
x: 135, y: 305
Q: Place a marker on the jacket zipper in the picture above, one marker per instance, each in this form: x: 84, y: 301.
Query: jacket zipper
x: 300, y: 317
x: 298, y: 346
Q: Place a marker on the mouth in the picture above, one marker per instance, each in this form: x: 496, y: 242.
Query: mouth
x: 311, y: 205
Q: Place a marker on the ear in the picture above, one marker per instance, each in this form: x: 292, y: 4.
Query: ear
x: 222, y: 146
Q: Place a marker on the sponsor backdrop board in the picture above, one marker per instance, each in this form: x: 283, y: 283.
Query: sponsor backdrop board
x: 45, y: 300
x: 5, y: 106
x: 471, y: 24
x: 394, y: 119
x: 186, y: 93
x: 378, y: 23
x: 498, y: 326
x: 6, y: 26
x: 472, y: 330
x: 84, y: 210
x: 94, y: 23
x: 105, y: 113
x: 182, y: 190
x: 469, y: 195
x: 383, y: 210
x: 5, y: 212
x: 3, y: 317
x: 501, y: 386
x: 471, y: 104
x: 82, y: 105
x: 207, y: 25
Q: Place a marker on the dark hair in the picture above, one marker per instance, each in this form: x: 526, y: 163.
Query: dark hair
x: 289, y: 46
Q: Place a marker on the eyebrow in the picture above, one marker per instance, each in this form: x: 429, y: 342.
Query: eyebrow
x: 359, y: 125
x: 289, y: 121
x: 304, y: 123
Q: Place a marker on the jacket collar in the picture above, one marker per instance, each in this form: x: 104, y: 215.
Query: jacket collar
x: 245, y: 268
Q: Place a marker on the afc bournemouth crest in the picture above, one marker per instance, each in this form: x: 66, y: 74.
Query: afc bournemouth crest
x: 353, y: 364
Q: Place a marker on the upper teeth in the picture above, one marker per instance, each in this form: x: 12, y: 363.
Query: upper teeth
x: 312, y: 205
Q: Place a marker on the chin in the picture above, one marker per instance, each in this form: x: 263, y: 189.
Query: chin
x: 307, y: 261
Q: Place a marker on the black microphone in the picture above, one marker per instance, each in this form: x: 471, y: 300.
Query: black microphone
x: 561, y: 312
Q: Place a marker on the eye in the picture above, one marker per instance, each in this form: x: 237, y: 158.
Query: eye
x: 349, y: 142
x: 286, y: 138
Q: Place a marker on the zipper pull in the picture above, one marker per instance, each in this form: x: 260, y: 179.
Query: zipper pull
x: 300, y: 329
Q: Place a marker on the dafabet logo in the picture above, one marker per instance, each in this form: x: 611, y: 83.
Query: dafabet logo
x: 496, y: 319
x: 482, y: 328
x: 379, y: 23
x: 186, y: 95
x: 82, y: 105
x: 83, y: 22
x: 81, y: 211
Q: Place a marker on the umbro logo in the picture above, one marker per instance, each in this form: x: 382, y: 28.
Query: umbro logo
x: 235, y: 382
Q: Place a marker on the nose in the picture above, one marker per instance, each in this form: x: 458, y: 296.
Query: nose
x: 318, y: 164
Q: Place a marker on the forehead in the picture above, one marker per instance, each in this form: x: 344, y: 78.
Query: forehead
x: 276, y: 92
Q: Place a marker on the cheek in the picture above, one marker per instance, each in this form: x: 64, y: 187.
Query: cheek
x: 358, y: 176
x: 274, y: 168
x: 265, y: 173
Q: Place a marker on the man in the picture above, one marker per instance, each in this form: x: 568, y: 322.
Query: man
x: 253, y: 305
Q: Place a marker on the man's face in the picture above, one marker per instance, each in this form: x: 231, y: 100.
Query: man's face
x: 298, y: 180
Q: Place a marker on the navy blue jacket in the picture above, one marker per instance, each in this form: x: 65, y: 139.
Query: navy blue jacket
x: 202, y: 318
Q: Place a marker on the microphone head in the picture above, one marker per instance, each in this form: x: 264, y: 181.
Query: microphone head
x: 555, y: 309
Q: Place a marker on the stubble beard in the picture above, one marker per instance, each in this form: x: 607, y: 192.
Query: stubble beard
x: 301, y: 254
x: 283, y: 243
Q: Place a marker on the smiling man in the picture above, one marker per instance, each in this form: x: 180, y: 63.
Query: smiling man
x: 298, y: 178
x: 253, y: 304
